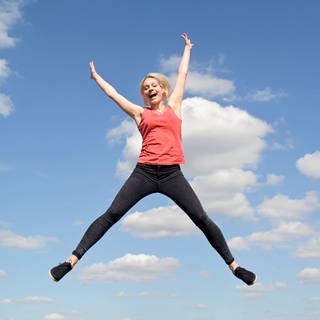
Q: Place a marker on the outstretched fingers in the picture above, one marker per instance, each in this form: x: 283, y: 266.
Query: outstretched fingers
x: 187, y: 40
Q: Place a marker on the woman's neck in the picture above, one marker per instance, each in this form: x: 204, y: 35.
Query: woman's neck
x: 157, y: 107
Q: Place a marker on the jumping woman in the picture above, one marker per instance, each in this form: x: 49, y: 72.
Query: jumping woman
x: 158, y: 165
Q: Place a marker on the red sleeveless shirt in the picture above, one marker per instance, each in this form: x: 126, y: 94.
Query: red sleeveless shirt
x: 161, y: 137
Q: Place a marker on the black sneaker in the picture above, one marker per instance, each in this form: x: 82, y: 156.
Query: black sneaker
x: 59, y: 271
x: 245, y: 275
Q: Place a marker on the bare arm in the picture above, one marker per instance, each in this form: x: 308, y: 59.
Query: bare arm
x: 175, y: 99
x: 133, y: 110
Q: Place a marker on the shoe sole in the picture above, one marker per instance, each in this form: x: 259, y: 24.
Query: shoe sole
x: 52, y: 277
x: 253, y: 282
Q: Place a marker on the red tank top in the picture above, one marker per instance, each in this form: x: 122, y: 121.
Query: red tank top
x: 161, y: 137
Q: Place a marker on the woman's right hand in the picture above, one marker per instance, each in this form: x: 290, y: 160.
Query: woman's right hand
x: 93, y: 72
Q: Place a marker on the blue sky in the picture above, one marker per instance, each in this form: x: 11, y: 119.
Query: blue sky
x: 251, y: 139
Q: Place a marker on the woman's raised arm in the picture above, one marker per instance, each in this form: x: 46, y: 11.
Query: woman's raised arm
x: 133, y: 110
x: 175, y: 99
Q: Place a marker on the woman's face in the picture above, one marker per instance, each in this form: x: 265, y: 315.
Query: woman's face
x: 152, y: 91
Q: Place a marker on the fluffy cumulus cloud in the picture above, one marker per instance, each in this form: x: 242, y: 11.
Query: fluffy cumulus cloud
x: 54, y: 316
x: 6, y: 105
x: 9, y: 239
x: 273, y: 179
x: 309, y: 275
x: 282, y: 207
x: 222, y: 191
x: 217, y: 137
x: 130, y: 268
x: 162, y: 222
x: 310, y: 249
x: 204, y: 83
x: 309, y: 165
x: 208, y: 85
x: 4, y: 69
x: 283, y: 233
x: 10, y: 14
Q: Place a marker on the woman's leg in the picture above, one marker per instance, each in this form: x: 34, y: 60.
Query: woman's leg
x: 180, y: 191
x: 135, y: 188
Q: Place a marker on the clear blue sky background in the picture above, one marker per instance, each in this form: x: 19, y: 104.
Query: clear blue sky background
x: 251, y: 137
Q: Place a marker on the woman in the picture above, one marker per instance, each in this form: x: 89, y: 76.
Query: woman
x: 158, y: 167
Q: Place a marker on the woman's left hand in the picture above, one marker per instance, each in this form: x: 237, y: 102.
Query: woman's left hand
x: 187, y: 40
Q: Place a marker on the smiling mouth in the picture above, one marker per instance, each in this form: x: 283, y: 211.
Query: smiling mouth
x: 152, y: 95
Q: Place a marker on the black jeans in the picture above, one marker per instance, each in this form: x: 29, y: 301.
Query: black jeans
x: 145, y: 180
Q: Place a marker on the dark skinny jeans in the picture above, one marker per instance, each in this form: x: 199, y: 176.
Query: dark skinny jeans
x: 145, y: 180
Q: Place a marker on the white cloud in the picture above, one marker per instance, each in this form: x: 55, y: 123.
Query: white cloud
x: 130, y: 268
x: 4, y: 69
x: 128, y: 132
x: 203, y: 83
x: 265, y: 95
x: 310, y: 249
x: 6, y: 105
x: 36, y: 300
x: 273, y: 179
x: 54, y: 316
x: 309, y: 275
x: 259, y: 289
x: 222, y: 192
x: 208, y: 85
x: 220, y: 137
x: 282, y: 207
x: 239, y: 243
x: 8, y: 239
x: 284, y: 232
x: 2, y: 273
x: 6, y: 301
x: 10, y: 14
x: 171, y: 64
x: 309, y: 165
x: 162, y: 222
x: 125, y: 130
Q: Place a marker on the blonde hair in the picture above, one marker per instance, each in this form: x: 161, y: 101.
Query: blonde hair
x: 163, y: 81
